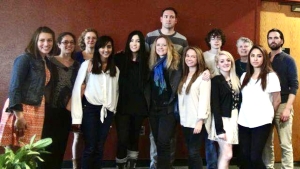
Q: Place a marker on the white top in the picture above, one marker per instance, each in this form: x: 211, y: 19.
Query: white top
x: 196, y: 104
x: 101, y: 89
x: 257, y: 108
x: 210, y: 61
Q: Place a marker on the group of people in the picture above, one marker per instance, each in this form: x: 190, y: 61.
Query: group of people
x: 160, y: 77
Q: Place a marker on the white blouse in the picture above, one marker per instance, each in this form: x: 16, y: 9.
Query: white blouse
x: 101, y: 89
x: 195, y: 105
x: 257, y: 107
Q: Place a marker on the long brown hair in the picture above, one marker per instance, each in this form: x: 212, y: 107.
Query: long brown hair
x: 200, y: 68
x: 264, y: 69
x: 32, y: 47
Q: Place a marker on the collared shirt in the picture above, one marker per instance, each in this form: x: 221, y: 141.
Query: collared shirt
x: 101, y: 89
x: 285, y: 67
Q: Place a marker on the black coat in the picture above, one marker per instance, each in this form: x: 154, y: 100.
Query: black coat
x: 122, y: 61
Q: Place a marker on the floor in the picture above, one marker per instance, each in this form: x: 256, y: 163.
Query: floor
x: 277, y: 166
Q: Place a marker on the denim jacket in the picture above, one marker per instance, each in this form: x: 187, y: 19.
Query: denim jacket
x: 27, y: 82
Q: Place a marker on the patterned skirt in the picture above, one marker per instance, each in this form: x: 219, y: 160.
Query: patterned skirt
x: 34, y: 117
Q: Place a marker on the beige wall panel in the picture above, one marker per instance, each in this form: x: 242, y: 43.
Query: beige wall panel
x: 278, y: 16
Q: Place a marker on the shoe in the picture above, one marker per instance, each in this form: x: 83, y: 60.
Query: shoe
x: 152, y: 167
x: 131, y: 163
x: 121, y: 166
x: 76, y: 163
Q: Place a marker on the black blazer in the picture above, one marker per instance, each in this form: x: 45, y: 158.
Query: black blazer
x: 174, y: 79
x: 221, y: 101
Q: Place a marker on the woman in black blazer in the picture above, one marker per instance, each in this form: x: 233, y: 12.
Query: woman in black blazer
x: 224, y: 107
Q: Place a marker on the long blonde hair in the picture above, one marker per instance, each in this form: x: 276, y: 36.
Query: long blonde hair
x: 233, y: 77
x: 173, y: 57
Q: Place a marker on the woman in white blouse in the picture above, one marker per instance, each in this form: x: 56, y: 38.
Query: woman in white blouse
x: 194, y: 104
x: 94, y: 112
x: 261, y: 97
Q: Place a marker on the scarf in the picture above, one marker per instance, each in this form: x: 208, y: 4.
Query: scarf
x: 159, y: 79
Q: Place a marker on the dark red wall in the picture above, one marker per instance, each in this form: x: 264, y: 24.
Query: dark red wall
x: 19, y: 19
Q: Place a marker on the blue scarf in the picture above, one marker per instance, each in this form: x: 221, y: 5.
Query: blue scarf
x: 158, y: 70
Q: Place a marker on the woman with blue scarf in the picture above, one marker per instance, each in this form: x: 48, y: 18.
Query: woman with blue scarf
x: 165, y: 76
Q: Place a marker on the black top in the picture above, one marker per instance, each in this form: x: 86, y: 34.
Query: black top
x: 131, y: 95
x: 240, y: 67
x: 285, y: 67
x: 61, y: 83
x: 160, y: 100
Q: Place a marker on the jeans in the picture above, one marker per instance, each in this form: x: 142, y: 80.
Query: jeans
x: 284, y: 130
x: 94, y: 133
x: 163, y: 129
x: 252, y: 142
x: 193, y: 143
x: 210, y: 153
x: 128, y: 131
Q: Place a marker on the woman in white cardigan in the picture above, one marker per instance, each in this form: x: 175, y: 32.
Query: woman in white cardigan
x: 94, y: 112
x: 194, y: 104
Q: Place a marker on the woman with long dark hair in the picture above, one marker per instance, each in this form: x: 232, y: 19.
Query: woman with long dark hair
x: 30, y: 75
x: 261, y: 98
x: 57, y: 122
x: 132, y: 106
x: 94, y: 112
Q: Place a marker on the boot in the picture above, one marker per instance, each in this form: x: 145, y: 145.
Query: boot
x: 76, y: 163
x: 131, y: 163
x: 121, y: 166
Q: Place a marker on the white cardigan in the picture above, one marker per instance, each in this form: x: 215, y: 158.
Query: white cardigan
x: 195, y: 105
x: 101, y: 89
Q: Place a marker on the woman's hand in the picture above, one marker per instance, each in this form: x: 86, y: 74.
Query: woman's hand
x: 198, y: 127
x: 20, y: 124
x: 222, y: 136
x: 206, y: 75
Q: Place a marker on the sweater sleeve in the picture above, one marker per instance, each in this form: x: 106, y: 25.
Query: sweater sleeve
x: 216, y: 105
x: 76, y: 104
x: 292, y: 76
x: 204, y: 99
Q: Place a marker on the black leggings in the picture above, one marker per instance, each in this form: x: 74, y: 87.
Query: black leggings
x: 128, y: 131
x: 252, y: 142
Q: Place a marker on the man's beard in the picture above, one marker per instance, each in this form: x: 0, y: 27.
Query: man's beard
x: 276, y: 47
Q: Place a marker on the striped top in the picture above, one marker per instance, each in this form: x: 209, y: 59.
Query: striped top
x: 179, y: 41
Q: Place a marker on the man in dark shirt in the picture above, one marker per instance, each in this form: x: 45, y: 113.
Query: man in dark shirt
x: 285, y: 67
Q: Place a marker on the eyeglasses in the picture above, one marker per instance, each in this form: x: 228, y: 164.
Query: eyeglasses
x: 68, y: 42
x: 215, y: 38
